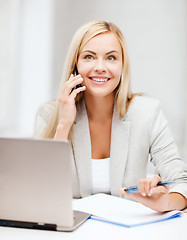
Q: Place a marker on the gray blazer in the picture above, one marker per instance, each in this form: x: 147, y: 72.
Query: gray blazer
x: 141, y: 135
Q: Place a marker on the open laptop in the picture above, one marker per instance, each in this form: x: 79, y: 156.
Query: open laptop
x: 36, y: 185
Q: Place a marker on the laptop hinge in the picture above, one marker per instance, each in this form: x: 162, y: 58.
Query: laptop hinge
x: 31, y: 225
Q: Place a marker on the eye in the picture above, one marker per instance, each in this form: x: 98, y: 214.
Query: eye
x: 88, y: 57
x: 111, y: 58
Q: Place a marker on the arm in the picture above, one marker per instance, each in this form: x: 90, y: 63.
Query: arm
x: 169, y: 166
x: 67, y: 111
x: 164, y: 154
x: 177, y: 201
x: 67, y: 108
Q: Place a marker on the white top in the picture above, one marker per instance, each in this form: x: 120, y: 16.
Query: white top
x: 101, y: 175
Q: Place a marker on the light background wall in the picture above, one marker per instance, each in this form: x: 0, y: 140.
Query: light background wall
x: 34, y: 37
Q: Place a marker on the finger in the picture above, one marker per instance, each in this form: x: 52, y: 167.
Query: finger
x: 155, y: 180
x: 70, y: 79
x: 135, y: 196
x: 76, y: 91
x: 141, y: 185
x: 122, y: 191
x: 69, y: 85
x: 73, y: 77
x: 147, y: 186
x: 75, y: 83
x: 160, y: 189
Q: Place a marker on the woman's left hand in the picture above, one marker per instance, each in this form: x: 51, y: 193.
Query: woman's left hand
x: 156, y: 198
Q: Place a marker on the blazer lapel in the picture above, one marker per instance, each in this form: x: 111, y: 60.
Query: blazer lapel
x: 119, y: 151
x: 82, y: 150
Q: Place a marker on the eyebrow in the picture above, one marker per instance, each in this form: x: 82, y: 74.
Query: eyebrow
x: 113, y: 51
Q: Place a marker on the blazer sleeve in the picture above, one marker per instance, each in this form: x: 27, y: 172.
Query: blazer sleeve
x: 164, y: 153
x: 43, y: 116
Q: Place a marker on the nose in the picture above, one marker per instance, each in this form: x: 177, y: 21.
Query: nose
x: 100, y: 66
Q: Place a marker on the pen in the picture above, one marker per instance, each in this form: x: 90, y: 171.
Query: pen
x: 135, y: 189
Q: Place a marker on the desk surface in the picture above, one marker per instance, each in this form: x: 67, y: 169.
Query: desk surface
x: 172, y: 229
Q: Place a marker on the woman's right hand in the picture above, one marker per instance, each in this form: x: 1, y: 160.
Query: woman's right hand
x: 67, y: 107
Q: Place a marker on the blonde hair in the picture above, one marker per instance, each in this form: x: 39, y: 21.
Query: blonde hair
x: 123, y: 95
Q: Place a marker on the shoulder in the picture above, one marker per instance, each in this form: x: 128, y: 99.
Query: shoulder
x: 143, y: 105
x: 146, y: 113
x: 145, y: 110
x: 43, y: 116
x: 46, y: 110
x: 144, y: 102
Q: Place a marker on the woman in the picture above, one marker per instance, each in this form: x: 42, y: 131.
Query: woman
x: 112, y: 131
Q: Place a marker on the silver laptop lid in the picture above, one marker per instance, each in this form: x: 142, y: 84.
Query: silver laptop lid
x: 35, y: 181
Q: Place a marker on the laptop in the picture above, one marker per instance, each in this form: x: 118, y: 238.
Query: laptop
x: 36, y: 185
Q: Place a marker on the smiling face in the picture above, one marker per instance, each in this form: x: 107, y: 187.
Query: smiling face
x: 100, y: 64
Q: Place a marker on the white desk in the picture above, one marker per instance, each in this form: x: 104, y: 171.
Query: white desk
x: 175, y: 229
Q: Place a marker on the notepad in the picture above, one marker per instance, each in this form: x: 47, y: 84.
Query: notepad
x: 121, y: 212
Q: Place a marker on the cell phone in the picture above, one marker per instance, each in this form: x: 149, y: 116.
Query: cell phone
x: 75, y: 72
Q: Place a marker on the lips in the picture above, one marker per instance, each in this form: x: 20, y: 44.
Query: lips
x: 100, y: 79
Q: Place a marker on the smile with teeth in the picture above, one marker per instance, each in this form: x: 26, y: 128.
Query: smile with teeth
x: 95, y: 79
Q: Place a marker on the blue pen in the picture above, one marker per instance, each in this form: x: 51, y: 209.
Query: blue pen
x: 135, y: 189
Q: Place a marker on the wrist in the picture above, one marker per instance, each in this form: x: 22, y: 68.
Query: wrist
x: 62, y: 131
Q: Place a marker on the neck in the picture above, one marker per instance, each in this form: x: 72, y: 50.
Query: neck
x: 99, y: 108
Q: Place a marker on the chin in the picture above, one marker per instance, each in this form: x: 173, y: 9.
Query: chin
x: 100, y: 93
